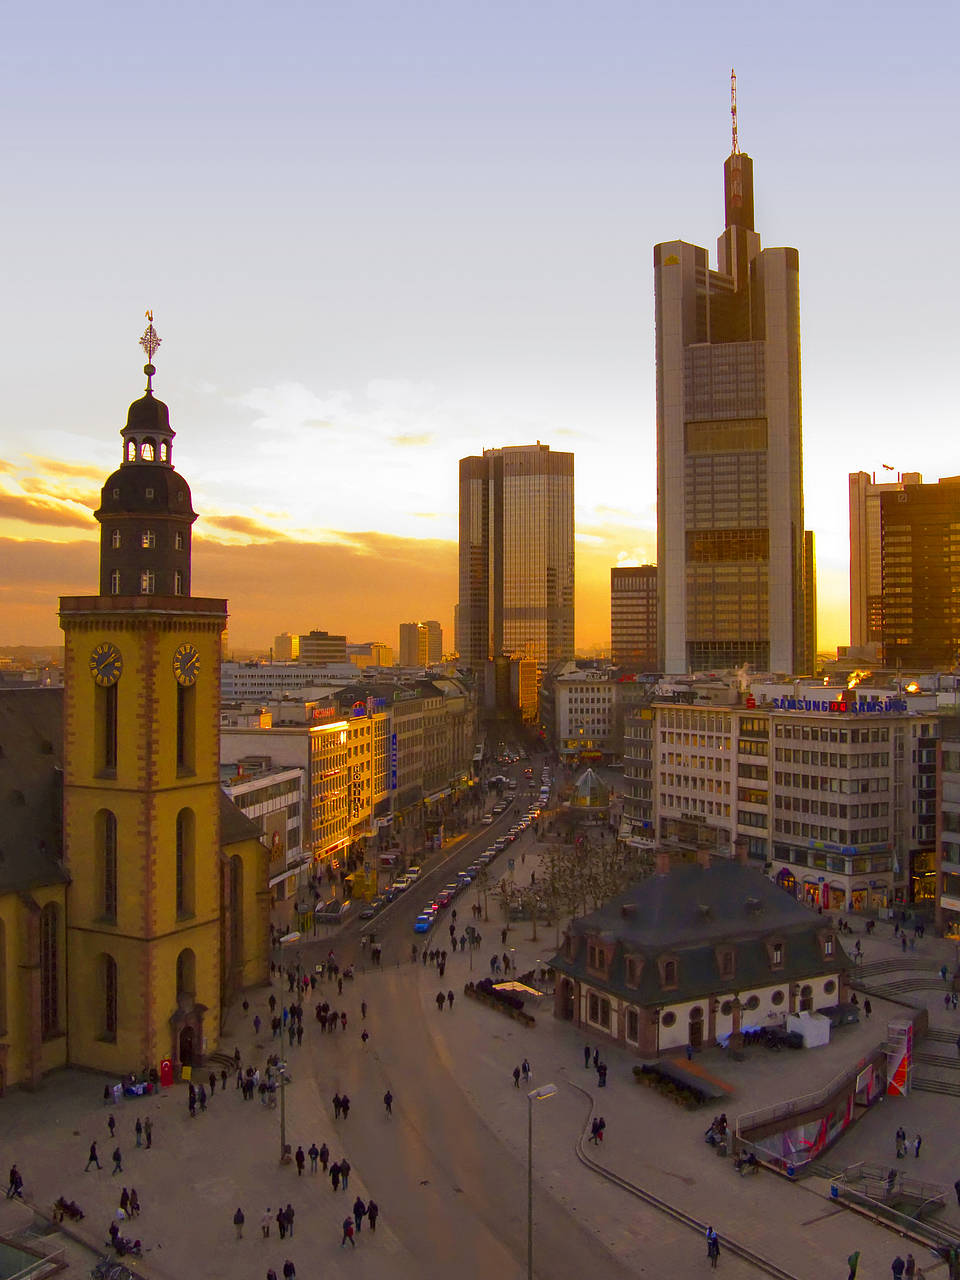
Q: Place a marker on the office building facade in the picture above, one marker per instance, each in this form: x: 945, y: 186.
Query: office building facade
x: 516, y: 555
x: 866, y: 617
x: 730, y: 536
x: 920, y: 576
x: 633, y: 617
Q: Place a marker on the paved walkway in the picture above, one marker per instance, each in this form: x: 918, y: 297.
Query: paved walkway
x: 199, y: 1170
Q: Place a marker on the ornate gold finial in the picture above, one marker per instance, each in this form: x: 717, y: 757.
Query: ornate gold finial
x: 150, y: 343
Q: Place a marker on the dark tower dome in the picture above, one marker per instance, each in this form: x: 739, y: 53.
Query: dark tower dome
x: 145, y: 511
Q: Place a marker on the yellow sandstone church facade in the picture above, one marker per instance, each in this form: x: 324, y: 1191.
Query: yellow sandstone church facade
x: 157, y: 912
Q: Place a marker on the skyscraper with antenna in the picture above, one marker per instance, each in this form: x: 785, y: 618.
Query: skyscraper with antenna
x: 730, y: 535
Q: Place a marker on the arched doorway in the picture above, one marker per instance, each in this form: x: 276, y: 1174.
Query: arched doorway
x: 185, y: 1047
x: 567, y: 1002
x: 695, y: 1033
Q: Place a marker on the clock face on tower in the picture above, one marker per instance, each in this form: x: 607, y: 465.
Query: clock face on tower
x: 106, y: 664
x: 186, y: 664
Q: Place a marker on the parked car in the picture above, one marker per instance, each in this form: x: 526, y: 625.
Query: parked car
x: 423, y: 923
x: 486, y: 819
x: 370, y: 909
x: 414, y: 873
x: 331, y: 912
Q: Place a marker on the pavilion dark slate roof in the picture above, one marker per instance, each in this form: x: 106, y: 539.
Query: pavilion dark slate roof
x: 690, y: 914
x: 235, y: 826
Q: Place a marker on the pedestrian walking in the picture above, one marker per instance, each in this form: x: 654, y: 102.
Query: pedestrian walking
x: 117, y: 1162
x: 364, y: 1035
x: 586, y: 1056
x: 212, y: 1080
x: 359, y: 1210
x: 289, y: 1271
x: 596, y: 1057
x: 917, y: 1144
x: 441, y: 1000
x: 111, y: 1124
x: 450, y: 1000
x: 602, y: 1076
x: 348, y: 1233
x: 238, y: 1221
x: 223, y: 1079
x: 337, y: 1106
x: 93, y: 1158
x: 344, y: 1172
x: 910, y: 1270
x: 388, y: 1102
x: 138, y: 1131
x: 943, y: 972
x: 288, y: 1216
x: 265, y: 1223
x: 363, y: 1009
x: 148, y: 1132
x: 15, y: 1189
x: 594, y: 1131
x: 256, y: 1024
x: 301, y: 1160
x: 601, y: 1127
x: 314, y: 1154
x: 335, y: 1175
x: 134, y: 1203
x: 125, y: 1200
x: 525, y: 1068
x: 898, y: 1266
x: 516, y: 1077
x: 271, y: 1274
x: 713, y: 1246
x: 503, y: 937
x: 202, y: 1095
x: 867, y: 1008
x: 345, y: 1106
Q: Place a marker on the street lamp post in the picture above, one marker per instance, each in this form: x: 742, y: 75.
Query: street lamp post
x: 535, y: 1095
x: 282, y: 1074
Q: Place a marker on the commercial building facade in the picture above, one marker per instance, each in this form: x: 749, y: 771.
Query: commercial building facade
x: 516, y: 555
x: 834, y: 792
x: 633, y: 617
x: 730, y: 536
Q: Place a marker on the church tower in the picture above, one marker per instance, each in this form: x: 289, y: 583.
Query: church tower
x: 142, y: 796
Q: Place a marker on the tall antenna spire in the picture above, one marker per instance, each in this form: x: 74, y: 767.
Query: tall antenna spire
x: 735, y: 149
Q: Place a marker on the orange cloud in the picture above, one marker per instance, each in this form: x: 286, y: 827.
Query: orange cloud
x: 245, y: 525
x: 41, y: 511
x: 77, y: 470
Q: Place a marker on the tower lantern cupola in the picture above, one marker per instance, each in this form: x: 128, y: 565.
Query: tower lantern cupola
x: 145, y: 510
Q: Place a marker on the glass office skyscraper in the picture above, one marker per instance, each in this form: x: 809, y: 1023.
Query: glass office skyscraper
x: 516, y: 555
x: 730, y: 536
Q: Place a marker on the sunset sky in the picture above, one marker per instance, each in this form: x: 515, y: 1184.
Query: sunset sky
x: 378, y: 236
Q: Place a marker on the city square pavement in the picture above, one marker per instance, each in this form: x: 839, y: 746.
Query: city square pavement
x: 448, y: 1169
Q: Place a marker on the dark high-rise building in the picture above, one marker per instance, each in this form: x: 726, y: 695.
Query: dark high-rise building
x: 866, y: 619
x: 730, y: 536
x: 320, y: 646
x: 920, y: 576
x: 516, y: 555
x: 633, y: 617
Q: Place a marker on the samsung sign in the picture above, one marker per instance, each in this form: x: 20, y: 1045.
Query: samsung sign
x: 854, y: 707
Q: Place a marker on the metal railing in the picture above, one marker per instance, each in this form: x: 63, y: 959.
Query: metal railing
x: 41, y: 1266
x: 807, y: 1102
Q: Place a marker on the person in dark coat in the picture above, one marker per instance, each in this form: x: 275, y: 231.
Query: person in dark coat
x: 359, y: 1211
x: 373, y: 1212
x: 335, y: 1175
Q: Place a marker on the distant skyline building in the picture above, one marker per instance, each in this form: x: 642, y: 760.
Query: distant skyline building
x: 866, y: 621
x: 920, y: 576
x: 320, y: 646
x: 633, y: 617
x: 421, y: 644
x: 730, y: 535
x: 516, y: 555
x: 286, y: 648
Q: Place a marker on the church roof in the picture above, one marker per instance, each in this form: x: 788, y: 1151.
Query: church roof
x: 31, y: 789
x: 235, y: 826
